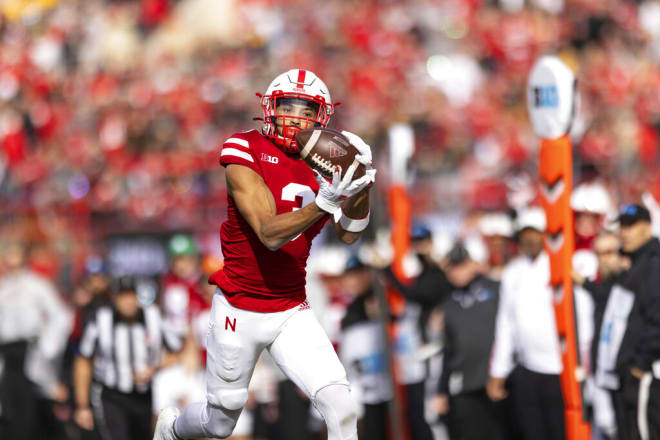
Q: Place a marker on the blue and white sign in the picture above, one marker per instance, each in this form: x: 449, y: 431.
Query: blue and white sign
x: 551, y: 97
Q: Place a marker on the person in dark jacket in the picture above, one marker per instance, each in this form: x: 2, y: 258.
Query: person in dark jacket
x: 363, y: 352
x: 607, y: 401
x: 430, y: 288
x: 422, y: 295
x: 470, y: 313
x: 637, y: 297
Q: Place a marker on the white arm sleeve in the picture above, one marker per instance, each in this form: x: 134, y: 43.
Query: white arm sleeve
x: 43, y: 363
x: 57, y: 325
x: 501, y: 363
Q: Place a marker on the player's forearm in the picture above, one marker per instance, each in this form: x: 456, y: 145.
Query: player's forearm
x: 357, y: 207
x: 82, y: 381
x: 280, y: 229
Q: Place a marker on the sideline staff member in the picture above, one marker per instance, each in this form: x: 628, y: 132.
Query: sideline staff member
x: 638, y: 360
x: 34, y: 327
x: 470, y: 313
x: 122, y: 345
x: 526, y: 327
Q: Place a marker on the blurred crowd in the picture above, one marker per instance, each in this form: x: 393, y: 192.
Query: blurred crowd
x: 111, y: 112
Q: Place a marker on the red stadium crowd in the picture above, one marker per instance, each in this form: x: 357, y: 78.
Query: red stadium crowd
x: 106, y: 109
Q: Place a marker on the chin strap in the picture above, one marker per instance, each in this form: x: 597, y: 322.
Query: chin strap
x: 351, y: 224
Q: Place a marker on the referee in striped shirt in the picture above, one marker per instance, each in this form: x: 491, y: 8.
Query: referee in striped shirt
x: 120, y: 349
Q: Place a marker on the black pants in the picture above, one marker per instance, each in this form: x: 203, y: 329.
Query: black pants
x: 50, y: 426
x: 538, y: 405
x: 419, y: 428
x: 123, y: 416
x: 473, y: 416
x: 293, y: 409
x: 619, y: 406
x: 266, y: 422
x: 19, y: 410
x: 631, y: 390
x: 374, y: 423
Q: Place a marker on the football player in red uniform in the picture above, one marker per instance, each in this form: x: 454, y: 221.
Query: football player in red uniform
x: 276, y: 206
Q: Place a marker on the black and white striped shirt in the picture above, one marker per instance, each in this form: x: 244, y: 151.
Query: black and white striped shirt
x: 122, y: 348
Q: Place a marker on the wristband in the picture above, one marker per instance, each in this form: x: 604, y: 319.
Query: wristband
x: 351, y: 224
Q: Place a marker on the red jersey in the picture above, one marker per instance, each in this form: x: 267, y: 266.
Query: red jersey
x: 254, y: 277
x: 182, y: 300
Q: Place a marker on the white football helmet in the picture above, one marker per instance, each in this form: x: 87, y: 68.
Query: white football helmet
x: 531, y: 217
x: 591, y: 198
x: 301, y: 85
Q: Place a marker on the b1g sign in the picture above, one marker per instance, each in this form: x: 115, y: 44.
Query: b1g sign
x: 551, y: 97
x: 546, y: 96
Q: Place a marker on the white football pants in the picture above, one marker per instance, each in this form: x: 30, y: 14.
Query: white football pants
x: 298, y: 345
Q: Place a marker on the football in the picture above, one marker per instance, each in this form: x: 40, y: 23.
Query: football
x: 323, y: 149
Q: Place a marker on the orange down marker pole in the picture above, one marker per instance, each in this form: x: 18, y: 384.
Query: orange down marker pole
x: 402, y: 144
x: 400, y: 212
x: 556, y: 180
x: 551, y: 92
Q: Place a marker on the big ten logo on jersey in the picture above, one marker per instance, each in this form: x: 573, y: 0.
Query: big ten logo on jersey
x: 546, y: 96
x: 268, y: 158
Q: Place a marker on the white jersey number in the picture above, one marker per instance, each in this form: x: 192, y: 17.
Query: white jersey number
x: 293, y: 190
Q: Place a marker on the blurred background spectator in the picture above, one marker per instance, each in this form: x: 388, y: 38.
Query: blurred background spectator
x: 526, y: 335
x: 637, y: 298
x: 34, y: 327
x: 607, y: 398
x: 363, y: 351
x: 470, y: 311
x: 120, y: 350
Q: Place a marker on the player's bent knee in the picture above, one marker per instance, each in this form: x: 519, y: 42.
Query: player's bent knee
x: 339, y: 410
x: 229, y: 399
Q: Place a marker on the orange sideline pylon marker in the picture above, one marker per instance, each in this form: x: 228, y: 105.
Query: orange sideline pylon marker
x: 551, y: 103
x: 402, y: 146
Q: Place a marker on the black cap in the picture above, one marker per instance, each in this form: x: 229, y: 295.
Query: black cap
x: 419, y: 231
x: 631, y: 214
x: 458, y: 254
x: 124, y: 284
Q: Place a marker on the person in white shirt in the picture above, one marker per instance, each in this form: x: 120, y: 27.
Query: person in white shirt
x: 526, y: 331
x: 34, y: 328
